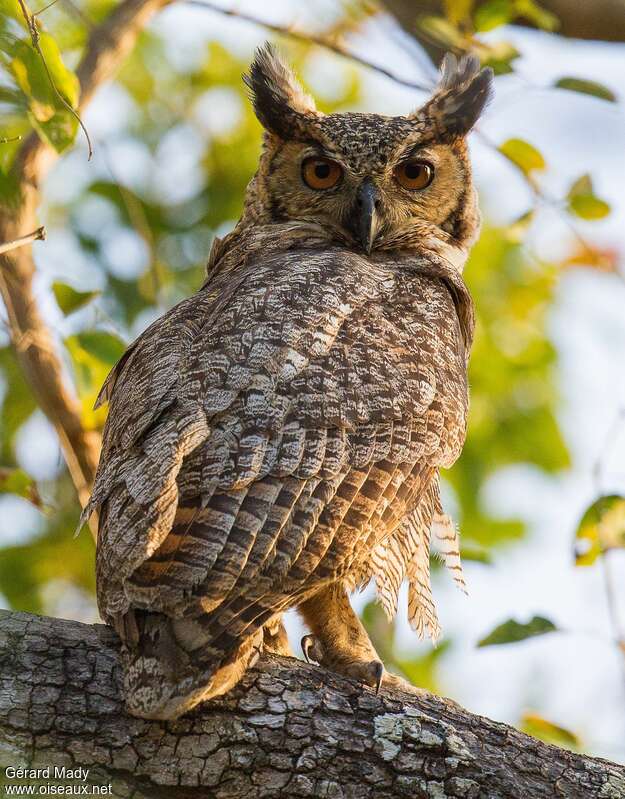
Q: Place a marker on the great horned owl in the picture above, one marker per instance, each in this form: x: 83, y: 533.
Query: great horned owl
x: 274, y: 441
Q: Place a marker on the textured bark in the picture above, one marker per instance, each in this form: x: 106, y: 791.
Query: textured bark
x: 602, y: 20
x: 289, y: 730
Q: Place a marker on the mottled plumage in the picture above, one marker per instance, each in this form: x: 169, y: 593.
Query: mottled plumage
x: 274, y: 440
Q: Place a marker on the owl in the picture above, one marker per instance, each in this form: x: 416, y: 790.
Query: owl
x: 275, y: 440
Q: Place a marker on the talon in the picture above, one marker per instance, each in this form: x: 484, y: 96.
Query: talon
x: 307, y: 644
x: 379, y: 675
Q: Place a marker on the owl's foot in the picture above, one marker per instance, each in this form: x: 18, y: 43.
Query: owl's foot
x: 369, y: 672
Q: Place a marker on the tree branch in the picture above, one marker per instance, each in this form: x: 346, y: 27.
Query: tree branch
x: 602, y: 20
x: 289, y: 730
x: 108, y: 45
x: 36, y: 235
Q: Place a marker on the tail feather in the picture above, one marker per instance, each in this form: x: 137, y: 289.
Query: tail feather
x: 448, y: 545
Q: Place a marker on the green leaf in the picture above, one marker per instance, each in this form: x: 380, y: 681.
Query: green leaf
x: 583, y: 202
x: 18, y: 402
x: 512, y: 631
x: 54, y: 122
x: 523, y: 154
x: 441, y: 31
x: 602, y: 527
x: 457, y: 10
x: 17, y: 481
x: 422, y: 670
x: 587, y: 206
x: 583, y: 86
x: 11, y: 17
x: 533, y: 12
x: 492, y: 14
x: 103, y: 346
x: 50, y: 554
x: 70, y: 300
x: 380, y: 629
x: 93, y: 353
x: 583, y: 185
x: 538, y: 727
x: 498, y: 55
x: 476, y: 555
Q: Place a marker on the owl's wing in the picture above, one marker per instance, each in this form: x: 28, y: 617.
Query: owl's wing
x: 303, y: 399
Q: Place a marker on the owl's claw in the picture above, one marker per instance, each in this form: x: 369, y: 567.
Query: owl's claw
x: 369, y: 672
x: 312, y: 649
x: 306, y: 644
x: 378, y: 670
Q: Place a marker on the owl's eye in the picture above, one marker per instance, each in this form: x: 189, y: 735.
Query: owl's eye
x: 414, y: 174
x: 321, y: 173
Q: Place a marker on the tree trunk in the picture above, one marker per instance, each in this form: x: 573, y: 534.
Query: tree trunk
x: 289, y: 730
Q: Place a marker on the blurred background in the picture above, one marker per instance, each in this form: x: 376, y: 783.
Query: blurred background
x: 539, y: 641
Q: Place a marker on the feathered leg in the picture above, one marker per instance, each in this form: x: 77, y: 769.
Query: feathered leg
x: 275, y: 639
x: 339, y: 641
x: 167, y: 670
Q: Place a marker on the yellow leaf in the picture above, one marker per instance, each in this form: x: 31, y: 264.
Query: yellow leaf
x: 535, y: 725
x: 602, y: 527
x: 458, y: 10
x: 587, y: 206
x: 601, y: 259
x: 442, y: 31
x: 523, y: 154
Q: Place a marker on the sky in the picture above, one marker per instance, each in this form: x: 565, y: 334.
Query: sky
x: 574, y: 677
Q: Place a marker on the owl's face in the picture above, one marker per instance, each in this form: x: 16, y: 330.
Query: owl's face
x: 368, y: 184
x: 373, y: 182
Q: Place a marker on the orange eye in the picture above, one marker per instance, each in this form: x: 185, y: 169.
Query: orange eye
x: 321, y: 173
x: 414, y: 174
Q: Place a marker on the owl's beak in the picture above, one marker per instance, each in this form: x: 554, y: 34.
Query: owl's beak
x: 364, y: 218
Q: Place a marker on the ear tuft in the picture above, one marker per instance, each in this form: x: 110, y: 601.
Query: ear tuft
x: 280, y: 102
x: 460, y: 97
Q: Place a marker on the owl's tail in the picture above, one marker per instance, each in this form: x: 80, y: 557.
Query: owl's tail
x: 169, y: 666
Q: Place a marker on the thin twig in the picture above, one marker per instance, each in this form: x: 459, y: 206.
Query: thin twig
x: 80, y: 14
x: 618, y: 631
x: 309, y: 38
x: 7, y: 139
x: 31, y: 22
x: 598, y: 468
x: 610, y: 592
x: 36, y: 235
x: 45, y: 8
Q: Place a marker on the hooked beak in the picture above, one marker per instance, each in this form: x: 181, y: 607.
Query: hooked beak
x: 364, y: 217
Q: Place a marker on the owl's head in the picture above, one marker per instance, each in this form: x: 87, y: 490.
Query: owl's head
x: 371, y: 182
